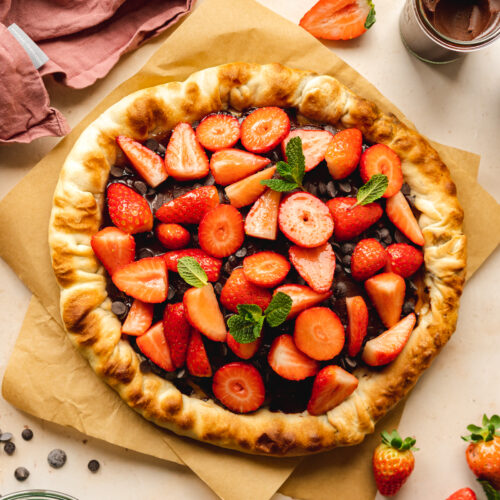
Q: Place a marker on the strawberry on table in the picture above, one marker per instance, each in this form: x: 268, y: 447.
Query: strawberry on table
x: 154, y: 346
x: 463, y: 494
x: 387, y: 293
x: 403, y: 259
x: 369, y: 256
x: 197, y: 361
x: 177, y: 332
x: 357, y: 314
x: 314, y: 145
x: 113, y: 248
x: 343, y: 153
x: 262, y: 219
x: 266, y: 269
x: 302, y: 297
x: 232, y: 165
x: 172, y: 236
x: 248, y: 190
x: 139, y: 318
x: 243, y: 351
x: 218, y: 131
x: 400, y: 214
x: 210, y: 264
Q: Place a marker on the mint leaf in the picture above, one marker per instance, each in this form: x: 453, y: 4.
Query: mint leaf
x: 373, y: 189
x: 191, y: 272
x: 491, y: 493
x: 251, y: 312
x: 285, y: 171
x: 278, y: 310
x: 279, y: 185
x: 241, y: 329
x: 370, y: 19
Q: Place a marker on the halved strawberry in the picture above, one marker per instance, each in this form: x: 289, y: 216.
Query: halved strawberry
x: 331, y: 387
x: 203, y: 312
x: 314, y: 145
x: 243, y: 351
x: 262, y: 220
x: 172, y: 236
x: 381, y: 159
x: 190, y: 207
x: 113, y: 248
x: 154, y: 346
x: 139, y: 318
x: 288, y: 362
x: 463, y: 494
x: 148, y: 164
x: 369, y: 256
x: 343, y: 153
x: 403, y: 259
x: 266, y: 269
x: 305, y: 220
x: 302, y: 297
x: 218, y: 131
x: 387, y: 346
x: 264, y: 128
x: 400, y: 214
x: 315, y: 265
x: 210, y: 264
x: 387, y: 293
x: 247, y: 190
x: 177, y: 332
x: 144, y: 279
x: 357, y: 314
x: 197, y: 361
x: 239, y: 387
x: 221, y: 231
x: 232, y: 165
x: 319, y: 333
x: 185, y: 159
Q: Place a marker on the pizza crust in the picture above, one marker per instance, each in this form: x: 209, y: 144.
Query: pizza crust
x: 95, y: 330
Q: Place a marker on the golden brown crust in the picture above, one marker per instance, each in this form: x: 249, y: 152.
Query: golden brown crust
x: 95, y: 330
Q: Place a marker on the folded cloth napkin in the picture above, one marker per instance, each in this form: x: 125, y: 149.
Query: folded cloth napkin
x: 83, y: 40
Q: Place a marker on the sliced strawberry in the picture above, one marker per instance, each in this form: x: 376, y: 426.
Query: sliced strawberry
x: 369, y: 256
x: 172, y: 236
x: 343, y: 153
x: 387, y: 346
x: 113, y: 248
x: 357, y: 314
x: 403, y: 259
x: 302, y: 297
x: 314, y: 145
x: 218, y: 131
x: 197, y: 361
x: 262, y: 220
x: 139, y: 318
x: 238, y: 290
x: 246, y: 191
x: 243, y: 351
x: 203, y: 312
x: 319, y: 333
x: 144, y: 279
x: 154, y: 346
x: 400, y: 214
x: 210, y: 264
x: 264, y: 128
x: 350, y: 221
x: 148, y: 164
x: 239, y: 387
x: 266, y: 269
x: 185, y: 159
x: 190, y: 207
x: 463, y: 494
x: 387, y: 293
x: 232, y: 165
x: 288, y: 362
x: 128, y: 210
x: 305, y: 220
x: 381, y: 159
x: 331, y: 387
x: 315, y: 265
x: 177, y: 332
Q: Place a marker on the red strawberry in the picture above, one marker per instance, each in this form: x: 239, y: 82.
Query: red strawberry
x: 238, y: 290
x: 218, y: 131
x: 190, y: 207
x: 314, y: 145
x: 145, y: 279
x: 343, y: 153
x: 246, y: 191
x: 264, y: 128
x: 177, y: 331
x: 197, y: 361
x: 368, y: 257
x: 172, y: 236
x: 357, y: 314
x: 148, y: 164
x: 288, y: 362
x: 400, y: 214
x: 387, y: 293
x: 244, y: 351
x: 239, y: 387
x: 139, y: 318
x: 185, y: 159
x: 386, y: 347
x: 381, y: 159
x: 337, y: 19
x: 154, y: 346
x: 232, y: 165
x: 463, y: 494
x: 266, y: 269
x: 331, y: 387
x: 262, y: 220
x: 210, y: 264
x: 319, y: 333
x: 302, y: 297
x: 315, y: 265
x: 403, y: 259
x: 113, y: 248
x: 203, y: 312
x: 305, y: 220
x: 128, y: 210
x: 349, y: 220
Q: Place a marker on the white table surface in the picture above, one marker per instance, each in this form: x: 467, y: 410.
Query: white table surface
x: 456, y: 104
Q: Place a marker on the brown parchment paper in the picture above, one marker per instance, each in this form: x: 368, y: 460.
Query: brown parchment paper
x: 213, y: 34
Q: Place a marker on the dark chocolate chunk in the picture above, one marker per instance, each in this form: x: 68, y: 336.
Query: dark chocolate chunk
x: 241, y: 252
x: 56, y: 458
x: 141, y: 187
x: 21, y: 473
x: 9, y: 447
x: 340, y: 289
x: 346, y: 260
x: 209, y: 181
x: 408, y: 307
x: 322, y: 188
x: 151, y: 144
x: 331, y: 189
x: 218, y: 288
x: 145, y: 366
x: 171, y: 293
x: 144, y: 253
x: 118, y: 307
x: 5, y: 436
x: 27, y: 434
x: 93, y: 466
x: 116, y: 171
x: 345, y: 186
x: 348, y: 248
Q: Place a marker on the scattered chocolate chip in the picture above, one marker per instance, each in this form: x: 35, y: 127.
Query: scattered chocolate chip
x: 5, y: 436
x: 93, y: 466
x: 331, y: 189
x: 312, y: 188
x: 347, y: 248
x: 408, y: 307
x: 145, y: 367
x: 56, y: 458
x: 209, y: 181
x: 9, y: 447
x: 27, y: 434
x: 241, y: 252
x: 232, y: 259
x: 388, y: 240
x: 346, y: 260
x: 345, y: 186
x: 181, y: 373
x: 399, y: 236
x: 151, y: 192
x: 218, y: 288
x: 151, y: 144
x: 405, y: 189
x: 145, y: 253
x: 118, y: 307
x: 322, y: 188
x: 116, y: 171
x: 340, y: 289
x: 21, y: 473
x: 227, y: 267
x: 171, y: 293
x: 383, y: 233
x: 141, y: 187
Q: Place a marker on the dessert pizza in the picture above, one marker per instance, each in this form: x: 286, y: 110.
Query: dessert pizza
x: 257, y: 257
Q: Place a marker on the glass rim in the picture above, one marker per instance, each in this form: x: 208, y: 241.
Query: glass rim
x: 37, y: 494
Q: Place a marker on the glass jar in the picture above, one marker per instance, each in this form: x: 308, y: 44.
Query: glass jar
x: 37, y: 495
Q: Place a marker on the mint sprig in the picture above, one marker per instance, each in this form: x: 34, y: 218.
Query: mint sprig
x: 372, y: 190
x: 191, y: 272
x: 370, y: 18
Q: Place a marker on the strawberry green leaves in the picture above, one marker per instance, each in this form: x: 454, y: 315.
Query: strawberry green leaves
x: 490, y: 492
x: 370, y: 19
x: 490, y: 428
x: 191, y: 272
x: 396, y: 441
x: 372, y: 190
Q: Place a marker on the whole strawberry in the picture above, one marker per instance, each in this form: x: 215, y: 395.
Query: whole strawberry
x: 393, y: 462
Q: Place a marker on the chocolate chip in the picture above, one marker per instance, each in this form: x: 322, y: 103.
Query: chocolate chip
x: 322, y: 188
x: 408, y: 307
x: 145, y: 367
x: 387, y: 240
x: 171, y: 293
x: 331, y: 189
x: 399, y: 236
x: 383, y: 233
x: 241, y: 252
x: 27, y: 434
x: 218, y: 288
x: 9, y: 447
x: 116, y: 171
x: 346, y: 260
x: 93, y: 466
x: 347, y: 248
x: 181, y: 373
x: 144, y: 253
x: 232, y: 259
x: 141, y: 187
x: 5, y: 436
x: 118, y: 307
x: 405, y: 189
x: 227, y: 268
x: 151, y: 144
x: 21, y: 473
x: 312, y: 188
x: 56, y: 458
x: 340, y: 289
x: 345, y: 186
x: 151, y: 192
x: 209, y: 181
x: 197, y: 185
